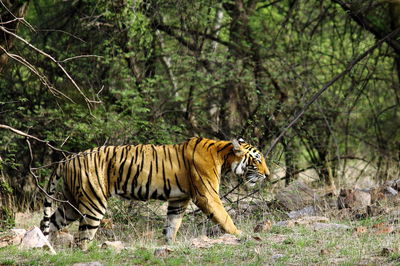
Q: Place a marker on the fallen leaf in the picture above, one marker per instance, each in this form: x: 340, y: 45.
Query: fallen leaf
x: 360, y: 230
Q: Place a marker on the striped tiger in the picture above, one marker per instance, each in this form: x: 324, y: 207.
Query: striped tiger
x: 174, y: 173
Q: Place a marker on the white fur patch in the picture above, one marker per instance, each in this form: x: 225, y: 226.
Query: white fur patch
x: 238, y: 167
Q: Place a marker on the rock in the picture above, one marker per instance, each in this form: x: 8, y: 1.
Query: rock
x: 307, y: 211
x: 35, y: 239
x: 296, y: 196
x: 12, y: 237
x: 62, y: 239
x: 263, y: 227
x: 115, y: 245
x: 329, y: 226
x: 311, y: 220
x: 353, y: 199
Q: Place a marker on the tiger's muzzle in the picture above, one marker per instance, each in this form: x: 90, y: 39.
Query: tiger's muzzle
x: 252, y: 177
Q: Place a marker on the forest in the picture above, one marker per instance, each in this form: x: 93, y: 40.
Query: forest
x: 315, y: 85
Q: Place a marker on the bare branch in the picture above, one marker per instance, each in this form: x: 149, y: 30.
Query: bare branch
x: 19, y: 132
x: 88, y: 101
x: 32, y: 68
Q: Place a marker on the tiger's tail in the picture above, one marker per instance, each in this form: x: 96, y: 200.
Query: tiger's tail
x: 47, y: 203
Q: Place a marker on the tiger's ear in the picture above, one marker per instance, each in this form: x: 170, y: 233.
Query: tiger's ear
x: 237, y: 149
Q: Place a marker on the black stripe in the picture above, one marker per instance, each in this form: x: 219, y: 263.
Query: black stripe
x: 177, y: 183
x: 96, y: 158
x: 155, y: 156
x: 53, y: 221
x: 61, y: 211
x: 142, y: 162
x: 177, y: 156
x: 154, y: 195
x: 136, y: 154
x: 94, y: 191
x: 170, y: 159
x: 92, y: 204
x: 165, y: 152
x: 167, y: 186
x: 134, y: 182
x: 89, y: 209
x: 146, y: 195
x: 92, y: 217
x: 120, y: 173
x: 128, y: 175
x: 109, y: 166
x: 225, y: 146
x: 87, y: 227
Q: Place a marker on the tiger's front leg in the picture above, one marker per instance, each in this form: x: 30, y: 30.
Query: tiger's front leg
x: 213, y: 208
x: 176, y: 209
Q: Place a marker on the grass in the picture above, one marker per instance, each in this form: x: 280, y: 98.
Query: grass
x: 139, y: 226
x: 297, y: 245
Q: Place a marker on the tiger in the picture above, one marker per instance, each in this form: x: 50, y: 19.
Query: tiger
x: 176, y: 173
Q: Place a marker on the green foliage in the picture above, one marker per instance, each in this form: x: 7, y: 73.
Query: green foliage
x: 162, y: 71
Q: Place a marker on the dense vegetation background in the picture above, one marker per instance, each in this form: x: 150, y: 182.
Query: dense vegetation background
x: 83, y: 73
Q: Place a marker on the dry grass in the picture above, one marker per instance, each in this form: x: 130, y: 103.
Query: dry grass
x: 140, y: 228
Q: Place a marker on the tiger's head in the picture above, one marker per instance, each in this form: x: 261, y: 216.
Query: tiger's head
x: 249, y: 162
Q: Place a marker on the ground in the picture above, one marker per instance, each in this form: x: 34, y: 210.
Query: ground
x: 363, y: 241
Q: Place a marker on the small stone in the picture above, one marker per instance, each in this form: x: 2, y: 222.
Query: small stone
x: 115, y: 245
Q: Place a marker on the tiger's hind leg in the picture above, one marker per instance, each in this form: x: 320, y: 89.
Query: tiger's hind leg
x: 175, y: 212
x: 88, y: 226
x: 63, y: 216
